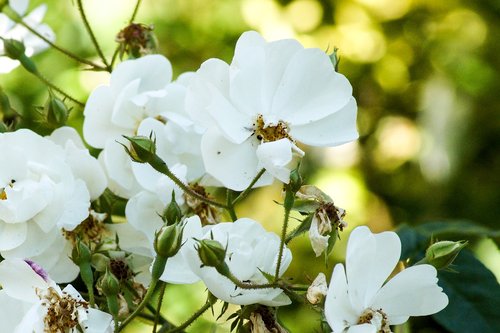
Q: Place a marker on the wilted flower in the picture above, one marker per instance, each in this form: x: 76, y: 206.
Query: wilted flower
x: 317, y: 290
x: 250, y: 250
x: 327, y: 220
x: 11, y: 30
x: 272, y: 96
x: 31, y: 302
x: 359, y: 301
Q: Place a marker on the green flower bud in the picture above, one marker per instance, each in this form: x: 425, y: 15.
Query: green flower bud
x: 172, y: 213
x: 13, y: 49
x: 81, y: 253
x: 57, y: 112
x: 335, y: 59
x: 168, y: 240
x: 3, y: 128
x: 213, y: 254
x: 442, y: 254
x: 295, y: 180
x: 142, y: 149
x: 110, y: 285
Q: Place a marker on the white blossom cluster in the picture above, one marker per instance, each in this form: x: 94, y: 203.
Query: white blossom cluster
x: 217, y: 127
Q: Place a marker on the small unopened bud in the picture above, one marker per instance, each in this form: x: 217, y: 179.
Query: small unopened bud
x: 13, y: 49
x: 172, y: 213
x: 110, y: 285
x: 81, y: 253
x: 442, y: 254
x: 296, y: 180
x: 142, y: 148
x: 168, y: 240
x: 317, y: 290
x: 57, y: 112
x: 335, y: 59
x: 213, y: 254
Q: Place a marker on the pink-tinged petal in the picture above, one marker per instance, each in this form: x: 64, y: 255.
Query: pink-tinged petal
x: 339, y: 312
x: 333, y: 130
x: 97, y: 125
x: 154, y: 72
x: 56, y: 260
x: 412, y: 292
x: 310, y: 89
x: 12, y: 235
x: 363, y: 328
x: 233, y: 165
x: 370, y: 259
x: 20, y: 281
x: 274, y: 157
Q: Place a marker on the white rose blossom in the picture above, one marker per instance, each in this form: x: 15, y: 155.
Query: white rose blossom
x: 140, y: 100
x: 46, y: 185
x: 250, y: 251
x: 256, y: 109
x: 11, y: 30
x: 31, y: 302
x: 358, y: 300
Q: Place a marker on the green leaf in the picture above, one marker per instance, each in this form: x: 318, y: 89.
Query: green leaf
x: 305, y: 205
x: 474, y: 295
x: 303, y: 227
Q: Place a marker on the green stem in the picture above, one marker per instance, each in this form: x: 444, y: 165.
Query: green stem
x: 159, y: 165
x: 288, y: 203
x: 91, y: 34
x: 244, y: 194
x: 188, y: 322
x: 230, y: 206
x: 158, y: 268
x: 56, y: 88
x: 18, y: 19
x: 244, y: 285
x: 134, y: 13
x: 158, y: 309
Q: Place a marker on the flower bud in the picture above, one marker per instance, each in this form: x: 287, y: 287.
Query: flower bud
x: 168, y: 240
x: 81, y: 253
x: 142, y: 149
x: 172, y: 213
x: 442, y: 254
x: 213, y: 254
x: 13, y: 49
x: 57, y: 112
x: 296, y: 180
x: 317, y: 290
x: 110, y: 285
x: 334, y: 58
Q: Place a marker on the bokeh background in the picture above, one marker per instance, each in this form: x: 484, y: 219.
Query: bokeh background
x: 426, y: 77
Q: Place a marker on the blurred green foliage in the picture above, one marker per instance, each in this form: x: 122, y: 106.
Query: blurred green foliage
x: 425, y: 74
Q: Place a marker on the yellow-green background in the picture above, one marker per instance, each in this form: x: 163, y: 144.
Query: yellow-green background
x: 425, y: 74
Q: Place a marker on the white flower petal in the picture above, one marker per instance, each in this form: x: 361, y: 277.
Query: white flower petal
x: 143, y: 212
x: 363, y: 328
x: 98, y: 322
x: 20, y: 281
x: 370, y: 259
x: 12, y: 235
x: 235, y: 166
x: 412, y: 292
x: 338, y: 309
x: 274, y: 157
x: 11, y: 311
x: 333, y: 130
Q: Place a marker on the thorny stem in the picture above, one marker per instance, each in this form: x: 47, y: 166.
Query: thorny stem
x: 157, y: 270
x: 244, y: 194
x: 160, y: 300
x: 56, y: 88
x: 15, y: 17
x: 159, y: 165
x: 288, y: 203
x: 92, y: 36
x: 188, y: 322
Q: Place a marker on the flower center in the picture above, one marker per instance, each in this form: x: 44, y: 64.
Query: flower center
x: 269, y: 133
x: 377, y: 318
x: 3, y: 193
x: 91, y: 229
x: 207, y: 213
x: 62, y: 312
